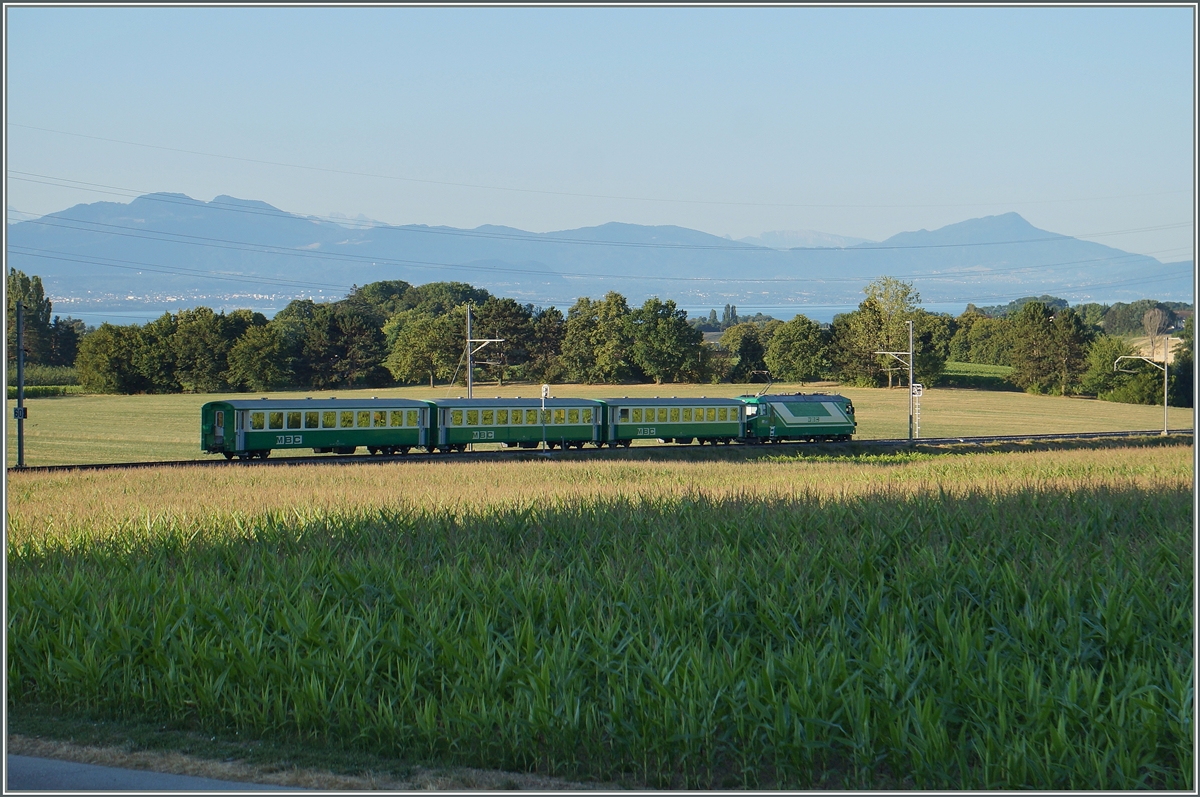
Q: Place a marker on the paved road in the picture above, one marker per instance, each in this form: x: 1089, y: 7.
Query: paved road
x: 25, y: 773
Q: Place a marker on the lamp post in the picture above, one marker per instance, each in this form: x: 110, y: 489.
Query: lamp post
x: 1163, y: 368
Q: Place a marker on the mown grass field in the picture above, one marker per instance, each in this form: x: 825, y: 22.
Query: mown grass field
x: 84, y: 429
x: 996, y: 618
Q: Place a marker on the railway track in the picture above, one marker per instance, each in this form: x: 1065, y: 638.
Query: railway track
x: 356, y: 459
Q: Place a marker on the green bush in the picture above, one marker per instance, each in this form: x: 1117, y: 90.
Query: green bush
x: 42, y: 375
x: 45, y: 391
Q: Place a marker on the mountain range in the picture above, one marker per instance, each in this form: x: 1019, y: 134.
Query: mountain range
x: 169, y: 250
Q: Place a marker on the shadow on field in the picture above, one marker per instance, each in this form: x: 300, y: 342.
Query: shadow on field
x: 866, y: 451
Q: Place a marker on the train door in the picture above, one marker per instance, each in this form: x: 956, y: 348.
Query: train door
x: 240, y: 431
x: 219, y: 428
x: 423, y: 427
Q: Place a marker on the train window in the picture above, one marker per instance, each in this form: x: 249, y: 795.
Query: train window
x: 587, y: 414
x: 751, y: 411
x: 662, y: 414
x: 364, y: 419
x: 312, y: 420
x: 545, y: 417
x: 531, y: 417
x: 518, y: 417
x: 397, y: 418
x: 413, y: 418
x: 456, y: 417
x: 329, y: 419
x: 722, y: 414
x: 489, y: 418
x: 502, y: 417
x: 560, y: 416
x: 257, y: 419
x: 347, y: 419
x: 623, y: 415
x: 293, y: 419
x: 472, y: 417
x: 637, y: 415
x: 220, y: 419
x: 687, y: 414
x: 379, y: 418
x: 572, y: 416
x: 711, y: 414
x: 275, y: 420
x: 674, y: 415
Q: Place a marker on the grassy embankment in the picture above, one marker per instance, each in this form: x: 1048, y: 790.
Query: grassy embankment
x: 79, y: 429
x: 962, y: 620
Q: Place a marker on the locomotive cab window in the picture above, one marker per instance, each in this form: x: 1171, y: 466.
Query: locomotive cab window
x: 257, y: 420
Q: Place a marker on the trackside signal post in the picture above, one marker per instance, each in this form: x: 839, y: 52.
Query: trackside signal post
x: 914, y: 391
x: 1163, y: 368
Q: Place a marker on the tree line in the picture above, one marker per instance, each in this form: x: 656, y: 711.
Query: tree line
x: 393, y: 332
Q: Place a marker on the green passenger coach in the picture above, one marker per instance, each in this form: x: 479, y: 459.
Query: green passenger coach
x: 517, y: 422
x: 680, y: 420
x: 249, y: 428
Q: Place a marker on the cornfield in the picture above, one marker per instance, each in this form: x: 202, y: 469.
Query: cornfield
x: 969, y: 634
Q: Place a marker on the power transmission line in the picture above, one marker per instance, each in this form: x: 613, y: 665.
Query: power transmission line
x: 569, y: 193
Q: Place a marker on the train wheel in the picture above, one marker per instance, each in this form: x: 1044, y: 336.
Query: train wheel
x: 228, y: 454
x: 403, y: 449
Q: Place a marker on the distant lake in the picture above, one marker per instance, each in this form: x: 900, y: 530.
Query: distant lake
x: 823, y: 313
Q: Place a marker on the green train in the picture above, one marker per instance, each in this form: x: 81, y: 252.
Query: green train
x: 252, y: 428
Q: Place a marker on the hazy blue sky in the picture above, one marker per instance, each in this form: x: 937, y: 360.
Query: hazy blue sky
x: 855, y: 121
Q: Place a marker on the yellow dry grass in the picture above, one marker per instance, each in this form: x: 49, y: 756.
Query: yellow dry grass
x: 100, y: 504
